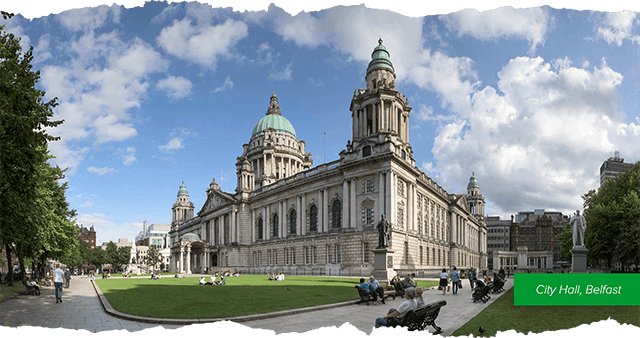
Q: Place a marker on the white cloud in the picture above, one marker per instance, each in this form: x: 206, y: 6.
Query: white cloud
x: 94, y: 219
x: 100, y: 171
x: 88, y: 18
x: 615, y: 27
x: 228, y: 84
x: 177, y: 137
x: 87, y: 204
x: 543, y: 132
x: 530, y: 24
x: 127, y: 155
x: 176, y: 87
x: 67, y: 156
x: 202, y: 44
x: 282, y: 75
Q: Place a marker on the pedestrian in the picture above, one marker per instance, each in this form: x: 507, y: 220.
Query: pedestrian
x: 58, y: 279
x: 472, y: 276
x: 67, y: 277
x: 455, y: 279
x: 443, y: 281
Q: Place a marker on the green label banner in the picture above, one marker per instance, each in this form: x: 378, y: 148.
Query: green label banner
x: 576, y: 289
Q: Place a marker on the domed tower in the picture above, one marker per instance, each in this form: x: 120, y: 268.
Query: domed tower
x: 475, y: 200
x: 274, y: 152
x: 182, y: 210
x: 380, y: 114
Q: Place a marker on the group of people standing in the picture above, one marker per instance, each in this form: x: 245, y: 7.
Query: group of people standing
x: 456, y: 280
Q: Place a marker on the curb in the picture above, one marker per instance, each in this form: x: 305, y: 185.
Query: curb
x: 111, y: 311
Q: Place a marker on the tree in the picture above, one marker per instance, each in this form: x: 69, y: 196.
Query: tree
x: 97, y: 257
x: 123, y: 254
x: 613, y: 220
x: 153, y: 256
x: 566, y: 243
x: 35, y: 221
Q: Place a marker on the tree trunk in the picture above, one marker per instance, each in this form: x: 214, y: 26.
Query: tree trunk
x: 9, y: 259
x: 22, y: 267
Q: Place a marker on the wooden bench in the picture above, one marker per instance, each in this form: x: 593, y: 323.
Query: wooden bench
x: 420, y: 318
x: 388, y: 293
x: 365, y: 297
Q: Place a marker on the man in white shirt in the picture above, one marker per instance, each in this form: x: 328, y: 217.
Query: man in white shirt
x: 58, y: 279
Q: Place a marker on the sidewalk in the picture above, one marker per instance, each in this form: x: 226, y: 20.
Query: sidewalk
x: 82, y: 310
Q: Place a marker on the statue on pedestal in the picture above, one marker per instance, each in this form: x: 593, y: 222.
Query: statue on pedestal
x: 383, y: 231
x: 578, y: 226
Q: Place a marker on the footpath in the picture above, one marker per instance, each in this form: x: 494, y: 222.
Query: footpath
x: 81, y: 309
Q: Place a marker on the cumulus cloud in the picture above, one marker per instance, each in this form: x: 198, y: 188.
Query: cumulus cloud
x: 100, y: 171
x: 616, y: 27
x: 127, y: 155
x: 176, y: 138
x: 530, y: 24
x: 175, y: 87
x: 93, y: 219
x: 89, y: 18
x: 543, y: 132
x: 228, y: 84
x: 281, y: 75
x: 202, y: 44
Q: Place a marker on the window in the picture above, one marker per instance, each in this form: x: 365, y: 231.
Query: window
x: 314, y: 255
x: 275, y: 225
x: 369, y: 214
x: 260, y: 229
x: 330, y: 255
x: 400, y: 188
x: 366, y: 151
x: 400, y: 217
x: 313, y: 218
x: 406, y: 252
x: 306, y: 255
x: 337, y: 213
x: 292, y: 221
x: 369, y: 185
x: 339, y: 254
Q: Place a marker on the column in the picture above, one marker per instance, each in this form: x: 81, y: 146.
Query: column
x: 298, y: 216
x: 374, y: 117
x: 267, y: 223
x: 410, y: 200
x: 320, y: 209
x: 221, y: 229
x: 303, y: 215
x: 388, y: 195
x: 352, y: 203
x: 345, y: 204
x: 325, y: 209
x: 232, y: 226
x: 189, y: 260
x: 393, y: 191
x: 281, y: 218
x: 380, y: 197
x: 253, y: 226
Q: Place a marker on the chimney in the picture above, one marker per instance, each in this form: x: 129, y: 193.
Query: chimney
x: 144, y: 228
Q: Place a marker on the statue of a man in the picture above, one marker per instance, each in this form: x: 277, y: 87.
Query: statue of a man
x: 383, y: 228
x: 578, y: 225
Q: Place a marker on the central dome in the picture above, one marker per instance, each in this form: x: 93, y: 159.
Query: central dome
x: 274, y: 120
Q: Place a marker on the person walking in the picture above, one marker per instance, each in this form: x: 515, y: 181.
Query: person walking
x: 67, y: 277
x: 455, y: 279
x: 472, y: 276
x: 58, y: 279
x: 443, y: 281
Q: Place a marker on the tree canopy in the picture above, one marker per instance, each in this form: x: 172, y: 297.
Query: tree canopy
x: 613, y: 220
x: 35, y: 220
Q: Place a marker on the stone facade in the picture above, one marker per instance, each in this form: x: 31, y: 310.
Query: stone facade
x: 287, y: 215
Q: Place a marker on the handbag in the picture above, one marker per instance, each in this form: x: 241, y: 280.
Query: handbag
x: 439, y: 288
x: 460, y: 284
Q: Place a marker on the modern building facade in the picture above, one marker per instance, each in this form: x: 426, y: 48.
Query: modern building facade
x: 613, y: 167
x: 498, y: 235
x: 286, y: 215
x: 158, y: 235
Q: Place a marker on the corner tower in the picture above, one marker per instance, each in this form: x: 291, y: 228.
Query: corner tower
x: 380, y: 114
x: 475, y: 200
x: 182, y: 210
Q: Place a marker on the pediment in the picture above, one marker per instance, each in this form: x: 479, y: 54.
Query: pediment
x: 215, y: 200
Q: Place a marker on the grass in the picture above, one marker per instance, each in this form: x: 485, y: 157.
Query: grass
x: 7, y: 291
x: 502, y: 315
x: 183, y: 298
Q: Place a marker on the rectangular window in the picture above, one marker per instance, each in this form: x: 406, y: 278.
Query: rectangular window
x: 339, y: 254
x: 369, y: 185
x: 314, y: 255
x: 306, y: 255
x: 330, y: 255
x: 400, y: 217
x: 421, y: 257
x: 370, y: 216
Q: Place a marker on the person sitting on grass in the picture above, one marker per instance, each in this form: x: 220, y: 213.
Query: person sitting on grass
x: 222, y: 281
x: 272, y: 277
x: 280, y: 276
x: 202, y: 282
x: 396, y: 314
x: 212, y: 280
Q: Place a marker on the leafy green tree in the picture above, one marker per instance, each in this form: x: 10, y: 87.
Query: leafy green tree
x: 97, y: 257
x: 35, y: 222
x: 111, y: 254
x: 153, y: 256
x: 613, y: 220
x: 566, y: 243
x: 122, y: 255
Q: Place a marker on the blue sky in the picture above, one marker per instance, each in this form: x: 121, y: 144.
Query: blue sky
x: 531, y: 100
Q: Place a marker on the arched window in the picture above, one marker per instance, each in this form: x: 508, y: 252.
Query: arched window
x: 260, y: 229
x: 292, y: 223
x: 313, y: 218
x: 275, y: 225
x: 337, y: 214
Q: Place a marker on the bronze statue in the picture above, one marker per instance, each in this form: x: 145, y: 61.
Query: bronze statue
x: 383, y: 230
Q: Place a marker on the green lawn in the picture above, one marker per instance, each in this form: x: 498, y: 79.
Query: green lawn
x: 502, y: 315
x: 184, y: 298
x: 8, y: 291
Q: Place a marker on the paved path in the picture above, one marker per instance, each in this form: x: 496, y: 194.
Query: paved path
x: 81, y: 310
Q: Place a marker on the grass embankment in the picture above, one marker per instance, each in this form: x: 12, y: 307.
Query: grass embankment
x: 502, y: 315
x: 183, y: 298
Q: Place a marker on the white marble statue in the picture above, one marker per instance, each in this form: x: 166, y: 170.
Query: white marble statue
x: 578, y: 226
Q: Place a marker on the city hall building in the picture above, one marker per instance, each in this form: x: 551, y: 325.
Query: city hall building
x: 287, y: 215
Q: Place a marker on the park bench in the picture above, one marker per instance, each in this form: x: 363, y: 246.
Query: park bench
x: 482, y: 294
x: 497, y: 286
x: 420, y: 318
x: 366, y: 297
x: 399, y: 288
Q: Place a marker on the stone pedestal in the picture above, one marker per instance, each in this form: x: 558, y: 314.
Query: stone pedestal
x: 579, y: 259
x: 383, y: 266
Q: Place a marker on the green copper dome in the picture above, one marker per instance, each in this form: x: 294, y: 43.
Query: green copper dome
x: 191, y: 237
x: 183, y: 190
x: 473, y: 182
x: 380, y: 59
x: 274, y: 120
